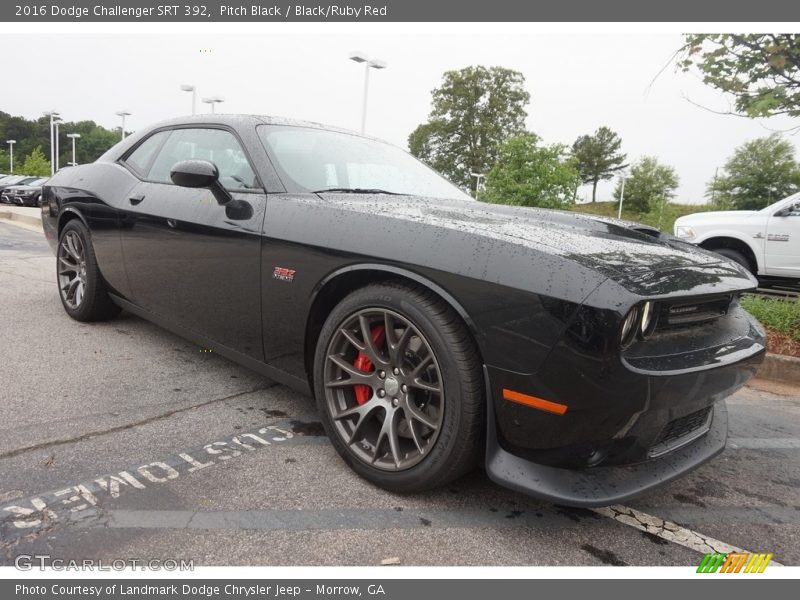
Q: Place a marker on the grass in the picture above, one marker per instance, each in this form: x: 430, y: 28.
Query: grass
x: 661, y: 217
x: 780, y: 316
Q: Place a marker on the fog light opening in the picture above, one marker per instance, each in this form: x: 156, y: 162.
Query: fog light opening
x: 596, y: 457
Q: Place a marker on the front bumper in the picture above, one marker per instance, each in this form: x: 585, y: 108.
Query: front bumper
x: 600, y: 486
x: 641, y: 428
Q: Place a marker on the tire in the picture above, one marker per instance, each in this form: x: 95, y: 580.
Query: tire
x: 736, y: 257
x: 83, y: 292
x: 437, y: 436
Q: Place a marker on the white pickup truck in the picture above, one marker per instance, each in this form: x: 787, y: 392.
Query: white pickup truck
x: 766, y: 241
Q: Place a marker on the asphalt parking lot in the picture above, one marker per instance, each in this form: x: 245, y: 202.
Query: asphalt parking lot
x: 119, y: 440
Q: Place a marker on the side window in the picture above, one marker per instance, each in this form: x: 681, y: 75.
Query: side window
x: 215, y: 145
x: 141, y: 158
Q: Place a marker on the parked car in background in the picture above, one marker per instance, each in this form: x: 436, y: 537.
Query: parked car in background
x: 29, y: 194
x: 14, y: 180
x: 766, y: 242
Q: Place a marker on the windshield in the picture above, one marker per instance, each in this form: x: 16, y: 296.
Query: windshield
x: 316, y: 160
x: 776, y: 205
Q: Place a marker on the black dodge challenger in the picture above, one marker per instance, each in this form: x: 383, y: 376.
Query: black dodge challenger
x: 585, y: 360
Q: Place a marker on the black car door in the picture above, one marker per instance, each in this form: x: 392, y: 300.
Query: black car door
x: 189, y: 259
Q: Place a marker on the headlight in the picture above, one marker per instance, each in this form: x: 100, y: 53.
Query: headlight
x: 628, y: 330
x: 685, y: 232
x: 648, y: 323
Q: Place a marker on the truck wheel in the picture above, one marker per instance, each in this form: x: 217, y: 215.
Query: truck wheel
x: 736, y: 257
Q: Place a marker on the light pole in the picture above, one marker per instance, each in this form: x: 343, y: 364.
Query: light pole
x: 621, y: 197
x: 52, y: 114
x: 212, y: 100
x: 360, y: 57
x: 11, y: 155
x: 56, y: 123
x: 74, y: 137
x: 123, y: 114
x: 478, y: 177
x: 190, y: 88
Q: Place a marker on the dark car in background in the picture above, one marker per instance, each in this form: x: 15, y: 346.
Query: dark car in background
x: 584, y: 360
x: 12, y: 180
x: 29, y: 194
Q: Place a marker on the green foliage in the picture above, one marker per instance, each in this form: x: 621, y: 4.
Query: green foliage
x: 94, y: 141
x: 649, y: 183
x: 529, y: 174
x: 35, y: 164
x: 759, y: 172
x: 5, y: 162
x: 598, y: 157
x: 474, y: 111
x: 782, y: 316
x: 663, y: 217
x: 762, y: 71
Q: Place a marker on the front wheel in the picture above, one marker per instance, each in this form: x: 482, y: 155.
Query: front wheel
x: 398, y: 383
x: 736, y: 257
x: 81, y: 286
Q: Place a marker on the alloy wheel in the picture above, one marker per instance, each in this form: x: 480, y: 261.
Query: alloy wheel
x: 384, y: 389
x: 72, y: 269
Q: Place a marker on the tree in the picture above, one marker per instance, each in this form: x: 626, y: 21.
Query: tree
x: 758, y: 173
x: 762, y: 71
x: 649, y: 182
x: 529, y: 174
x: 36, y: 164
x: 5, y: 162
x: 474, y: 111
x: 94, y: 141
x: 598, y: 157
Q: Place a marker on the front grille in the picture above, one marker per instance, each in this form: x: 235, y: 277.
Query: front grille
x: 684, y: 312
x: 681, y: 431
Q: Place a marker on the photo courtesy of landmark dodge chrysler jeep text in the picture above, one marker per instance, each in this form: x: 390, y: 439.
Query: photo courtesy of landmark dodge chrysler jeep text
x: 584, y: 360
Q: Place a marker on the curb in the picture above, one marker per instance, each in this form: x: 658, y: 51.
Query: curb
x: 15, y: 218
x: 777, y: 367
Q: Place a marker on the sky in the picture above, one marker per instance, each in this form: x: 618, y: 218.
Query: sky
x: 577, y: 83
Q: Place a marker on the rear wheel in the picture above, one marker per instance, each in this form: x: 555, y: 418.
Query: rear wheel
x: 398, y: 383
x: 83, y: 292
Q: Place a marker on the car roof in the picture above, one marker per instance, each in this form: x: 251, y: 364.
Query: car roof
x: 229, y: 120
x: 234, y: 120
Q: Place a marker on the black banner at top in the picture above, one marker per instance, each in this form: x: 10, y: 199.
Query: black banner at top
x: 377, y: 11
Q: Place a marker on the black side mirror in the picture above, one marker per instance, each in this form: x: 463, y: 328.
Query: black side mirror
x: 788, y: 211
x: 200, y: 174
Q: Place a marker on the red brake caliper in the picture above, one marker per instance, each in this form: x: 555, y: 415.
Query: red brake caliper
x: 362, y: 363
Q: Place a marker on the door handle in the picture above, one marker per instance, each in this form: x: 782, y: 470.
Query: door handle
x: 136, y: 199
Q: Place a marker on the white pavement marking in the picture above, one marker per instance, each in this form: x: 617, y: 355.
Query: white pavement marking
x: 764, y: 443
x: 667, y: 530
x: 45, y: 509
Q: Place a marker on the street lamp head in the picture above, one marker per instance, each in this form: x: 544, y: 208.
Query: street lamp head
x: 11, y: 141
x: 123, y: 113
x: 358, y: 56
x: 378, y: 64
x: 74, y: 135
x: 213, y: 99
x: 186, y: 87
x: 51, y: 113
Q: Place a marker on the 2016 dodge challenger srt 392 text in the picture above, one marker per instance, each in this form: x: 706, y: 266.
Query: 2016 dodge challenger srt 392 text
x: 584, y: 360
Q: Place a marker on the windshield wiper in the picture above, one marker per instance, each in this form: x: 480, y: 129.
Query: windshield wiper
x: 344, y: 190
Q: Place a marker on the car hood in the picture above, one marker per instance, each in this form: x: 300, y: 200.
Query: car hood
x: 717, y: 216
x: 604, y: 244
